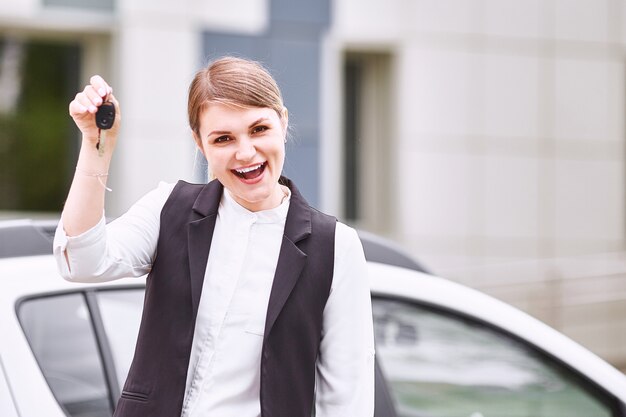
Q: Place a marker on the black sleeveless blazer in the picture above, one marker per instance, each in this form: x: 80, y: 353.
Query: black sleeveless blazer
x: 155, y: 386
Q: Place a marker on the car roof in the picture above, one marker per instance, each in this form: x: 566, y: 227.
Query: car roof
x: 29, y: 237
x: 384, y: 251
x: 26, y: 237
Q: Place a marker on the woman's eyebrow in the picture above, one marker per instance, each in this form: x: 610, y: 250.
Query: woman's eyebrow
x: 218, y: 132
x: 259, y: 120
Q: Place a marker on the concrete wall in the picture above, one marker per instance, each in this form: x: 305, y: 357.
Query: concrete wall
x: 509, y: 154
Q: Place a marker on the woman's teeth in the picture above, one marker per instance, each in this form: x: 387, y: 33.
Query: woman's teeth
x: 250, y: 172
x: 244, y: 170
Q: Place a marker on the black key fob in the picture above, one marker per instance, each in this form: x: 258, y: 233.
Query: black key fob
x: 105, y: 116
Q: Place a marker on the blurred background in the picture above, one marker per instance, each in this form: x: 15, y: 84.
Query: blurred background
x: 487, y: 137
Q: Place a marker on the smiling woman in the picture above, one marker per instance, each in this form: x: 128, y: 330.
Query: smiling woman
x: 257, y: 304
x: 239, y: 123
x: 246, y: 153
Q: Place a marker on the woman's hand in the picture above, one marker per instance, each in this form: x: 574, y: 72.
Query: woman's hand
x: 85, y: 105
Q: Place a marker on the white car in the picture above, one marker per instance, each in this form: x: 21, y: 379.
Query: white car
x: 443, y: 350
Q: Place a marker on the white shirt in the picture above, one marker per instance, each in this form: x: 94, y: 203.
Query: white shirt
x: 223, y: 378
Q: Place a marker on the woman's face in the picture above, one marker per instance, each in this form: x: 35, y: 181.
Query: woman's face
x: 245, y: 149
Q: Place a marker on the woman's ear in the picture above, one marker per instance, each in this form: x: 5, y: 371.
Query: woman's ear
x: 284, y: 118
x: 198, y: 141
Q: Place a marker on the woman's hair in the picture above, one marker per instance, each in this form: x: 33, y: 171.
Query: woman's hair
x: 233, y: 81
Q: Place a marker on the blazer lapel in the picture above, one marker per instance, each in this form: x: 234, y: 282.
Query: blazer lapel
x: 291, y: 259
x: 199, y: 236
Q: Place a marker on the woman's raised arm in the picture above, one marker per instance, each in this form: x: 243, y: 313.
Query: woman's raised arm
x: 85, y: 202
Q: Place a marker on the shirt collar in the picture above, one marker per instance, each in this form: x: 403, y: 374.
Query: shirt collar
x: 278, y: 214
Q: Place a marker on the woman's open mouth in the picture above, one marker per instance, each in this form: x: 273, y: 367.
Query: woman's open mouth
x: 251, y: 172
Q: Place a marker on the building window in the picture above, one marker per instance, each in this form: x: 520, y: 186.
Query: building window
x: 353, y: 74
x: 37, y: 137
x: 368, y: 140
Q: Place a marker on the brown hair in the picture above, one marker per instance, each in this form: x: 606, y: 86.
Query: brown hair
x: 233, y: 81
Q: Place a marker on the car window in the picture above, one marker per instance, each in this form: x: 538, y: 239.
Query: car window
x: 441, y: 365
x: 7, y: 407
x: 61, y: 336
x: 121, y: 315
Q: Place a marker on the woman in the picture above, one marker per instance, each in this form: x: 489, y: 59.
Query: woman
x: 256, y: 304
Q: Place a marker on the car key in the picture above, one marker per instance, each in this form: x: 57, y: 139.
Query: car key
x: 105, y: 117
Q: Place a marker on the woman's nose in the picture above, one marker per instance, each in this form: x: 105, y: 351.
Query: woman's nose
x: 246, y: 150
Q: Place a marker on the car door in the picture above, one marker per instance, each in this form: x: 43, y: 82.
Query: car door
x: 84, y: 342
x: 440, y: 363
x: 7, y: 404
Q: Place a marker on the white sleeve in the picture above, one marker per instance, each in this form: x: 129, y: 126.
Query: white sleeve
x: 345, y: 368
x: 123, y: 248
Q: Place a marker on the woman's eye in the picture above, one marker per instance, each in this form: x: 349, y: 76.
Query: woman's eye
x: 259, y: 129
x: 221, y: 139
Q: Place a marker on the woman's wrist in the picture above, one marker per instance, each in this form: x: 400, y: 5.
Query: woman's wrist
x: 100, y: 176
x: 93, y: 146
x: 91, y: 160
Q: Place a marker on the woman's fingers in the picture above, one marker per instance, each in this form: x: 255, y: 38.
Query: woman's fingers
x: 84, y: 102
x: 76, y: 108
x: 94, y: 98
x: 90, y: 98
x: 100, y: 86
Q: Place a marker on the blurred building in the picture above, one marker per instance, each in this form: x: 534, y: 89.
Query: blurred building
x: 497, y: 130
x: 487, y: 136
